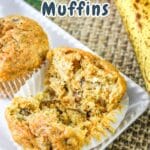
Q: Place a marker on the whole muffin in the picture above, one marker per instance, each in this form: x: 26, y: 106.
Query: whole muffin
x: 23, y: 48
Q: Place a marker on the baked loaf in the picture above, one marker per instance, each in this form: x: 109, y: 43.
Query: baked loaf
x: 23, y: 47
x: 136, y: 17
x: 81, y: 92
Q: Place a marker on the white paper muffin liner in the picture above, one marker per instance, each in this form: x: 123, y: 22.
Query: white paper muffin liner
x: 9, y: 88
x: 139, y: 98
x: 35, y: 85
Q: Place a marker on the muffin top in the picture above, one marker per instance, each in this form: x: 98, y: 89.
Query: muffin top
x: 23, y: 47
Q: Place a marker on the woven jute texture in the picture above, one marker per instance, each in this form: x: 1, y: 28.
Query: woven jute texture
x: 108, y: 38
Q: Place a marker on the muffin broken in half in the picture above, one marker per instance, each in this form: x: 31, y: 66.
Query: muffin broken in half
x: 80, y: 96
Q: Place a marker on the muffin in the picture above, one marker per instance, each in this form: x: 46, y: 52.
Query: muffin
x: 82, y: 92
x: 79, y: 74
x: 23, y: 48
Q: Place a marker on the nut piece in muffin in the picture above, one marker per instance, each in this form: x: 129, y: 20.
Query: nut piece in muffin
x: 23, y: 48
x: 81, y: 93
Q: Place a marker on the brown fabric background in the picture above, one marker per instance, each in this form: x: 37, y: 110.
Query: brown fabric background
x: 108, y: 38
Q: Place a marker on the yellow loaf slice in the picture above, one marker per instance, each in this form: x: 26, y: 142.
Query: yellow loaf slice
x: 136, y: 17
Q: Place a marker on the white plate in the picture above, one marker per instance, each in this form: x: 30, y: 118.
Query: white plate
x: 139, y: 99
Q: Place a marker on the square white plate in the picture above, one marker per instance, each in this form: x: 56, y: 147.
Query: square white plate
x: 138, y: 98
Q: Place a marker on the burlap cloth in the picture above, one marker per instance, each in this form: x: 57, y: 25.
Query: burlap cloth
x: 109, y: 39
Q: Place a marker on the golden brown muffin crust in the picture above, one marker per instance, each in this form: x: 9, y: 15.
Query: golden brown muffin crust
x: 23, y: 46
